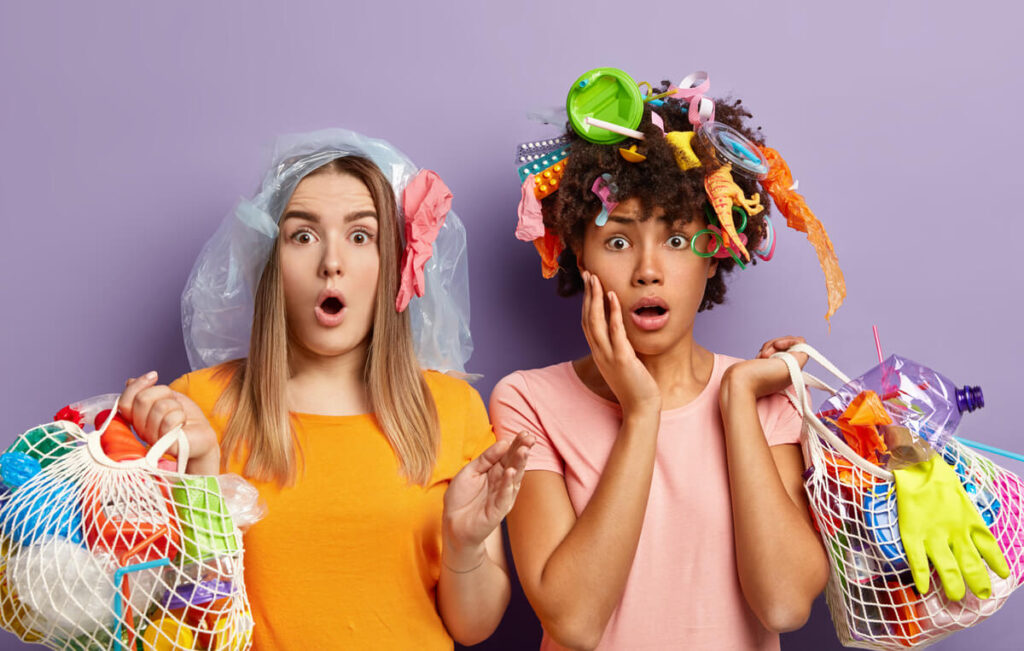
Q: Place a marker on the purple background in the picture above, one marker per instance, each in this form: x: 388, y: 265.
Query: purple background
x: 129, y: 131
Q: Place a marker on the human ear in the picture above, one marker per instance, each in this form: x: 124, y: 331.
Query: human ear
x: 712, y: 268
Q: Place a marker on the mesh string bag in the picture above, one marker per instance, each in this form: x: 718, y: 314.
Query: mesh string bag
x: 870, y: 592
x: 105, y: 544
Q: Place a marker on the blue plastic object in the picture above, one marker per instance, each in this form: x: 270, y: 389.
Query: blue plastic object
x: 39, y: 509
x: 16, y: 468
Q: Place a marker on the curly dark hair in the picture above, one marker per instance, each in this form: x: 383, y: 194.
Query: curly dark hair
x: 654, y: 182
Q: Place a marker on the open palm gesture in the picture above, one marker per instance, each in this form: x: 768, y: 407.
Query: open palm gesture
x: 482, y: 493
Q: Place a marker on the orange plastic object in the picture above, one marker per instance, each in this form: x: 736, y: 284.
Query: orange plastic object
x: 900, y: 613
x: 859, y: 425
x: 799, y: 217
x: 724, y: 193
x: 119, y: 443
x: 632, y: 155
x: 549, y: 247
x: 547, y: 180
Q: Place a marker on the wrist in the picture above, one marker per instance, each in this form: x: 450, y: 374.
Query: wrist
x: 205, y: 464
x: 462, y: 558
x: 737, y: 385
x: 642, y: 412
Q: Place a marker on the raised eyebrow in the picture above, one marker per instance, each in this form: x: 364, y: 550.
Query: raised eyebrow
x: 312, y: 217
x: 300, y: 214
x: 351, y: 217
x: 621, y: 220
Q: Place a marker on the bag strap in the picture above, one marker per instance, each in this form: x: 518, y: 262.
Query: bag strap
x: 802, y: 403
x: 149, y: 462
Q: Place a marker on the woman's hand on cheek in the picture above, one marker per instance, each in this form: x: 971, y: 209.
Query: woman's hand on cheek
x: 480, y: 496
x: 154, y: 410
x: 762, y: 375
x: 614, y: 356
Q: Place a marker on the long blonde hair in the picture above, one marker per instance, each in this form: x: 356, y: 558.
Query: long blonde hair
x: 260, y: 428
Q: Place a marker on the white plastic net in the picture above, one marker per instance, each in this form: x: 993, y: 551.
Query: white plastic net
x: 870, y: 592
x: 119, y: 552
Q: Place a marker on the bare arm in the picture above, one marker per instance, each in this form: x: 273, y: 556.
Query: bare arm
x: 573, y: 570
x: 474, y: 587
x: 781, y: 563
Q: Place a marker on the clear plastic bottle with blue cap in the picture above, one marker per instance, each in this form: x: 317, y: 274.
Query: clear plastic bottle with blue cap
x: 927, y: 403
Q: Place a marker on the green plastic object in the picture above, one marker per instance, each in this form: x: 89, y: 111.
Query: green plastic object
x: 607, y: 94
x: 206, y: 526
x: 45, y: 443
x: 938, y: 523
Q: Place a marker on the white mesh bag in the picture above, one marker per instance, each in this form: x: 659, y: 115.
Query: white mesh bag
x: 106, y: 545
x: 870, y: 592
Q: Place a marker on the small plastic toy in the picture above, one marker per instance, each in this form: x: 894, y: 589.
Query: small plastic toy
x: 604, y: 187
x: 723, y: 194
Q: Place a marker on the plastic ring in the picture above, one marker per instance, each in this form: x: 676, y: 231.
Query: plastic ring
x: 706, y: 254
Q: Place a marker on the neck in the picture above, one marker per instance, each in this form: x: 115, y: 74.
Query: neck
x: 681, y: 372
x: 332, y: 385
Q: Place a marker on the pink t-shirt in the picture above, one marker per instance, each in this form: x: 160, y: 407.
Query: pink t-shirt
x: 683, y: 591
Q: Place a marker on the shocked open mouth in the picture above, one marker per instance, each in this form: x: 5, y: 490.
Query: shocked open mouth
x: 332, y: 305
x: 649, y: 313
x: 331, y: 309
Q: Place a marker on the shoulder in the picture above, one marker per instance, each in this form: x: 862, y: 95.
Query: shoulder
x: 206, y: 385
x: 553, y: 381
x: 449, y: 391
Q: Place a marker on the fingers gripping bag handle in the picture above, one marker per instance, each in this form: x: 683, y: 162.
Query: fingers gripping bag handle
x: 104, y: 544
x: 870, y: 591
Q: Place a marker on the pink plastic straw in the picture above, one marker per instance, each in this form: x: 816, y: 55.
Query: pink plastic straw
x: 878, y: 345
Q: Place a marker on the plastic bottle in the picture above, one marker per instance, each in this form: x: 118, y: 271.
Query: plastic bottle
x: 918, y: 398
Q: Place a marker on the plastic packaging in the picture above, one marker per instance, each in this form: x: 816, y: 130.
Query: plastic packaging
x: 217, y: 303
x: 93, y: 549
x: 918, y: 398
x: 242, y: 500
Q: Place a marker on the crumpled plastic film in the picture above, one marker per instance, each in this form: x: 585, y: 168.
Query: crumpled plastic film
x: 217, y: 303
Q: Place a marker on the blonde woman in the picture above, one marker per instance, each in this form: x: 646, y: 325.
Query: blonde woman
x: 384, y: 486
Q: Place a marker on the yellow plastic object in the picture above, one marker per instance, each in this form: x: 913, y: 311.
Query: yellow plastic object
x: 226, y: 638
x: 632, y: 155
x: 724, y: 193
x: 681, y: 142
x: 168, y: 634
x: 546, y: 181
x: 938, y: 523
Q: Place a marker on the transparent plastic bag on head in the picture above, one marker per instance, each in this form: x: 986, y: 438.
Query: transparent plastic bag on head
x: 217, y: 303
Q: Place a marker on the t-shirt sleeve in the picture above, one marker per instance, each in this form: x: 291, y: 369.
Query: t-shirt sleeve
x: 479, y: 436
x: 780, y: 420
x: 512, y: 412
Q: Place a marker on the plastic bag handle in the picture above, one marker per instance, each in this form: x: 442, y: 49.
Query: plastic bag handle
x: 149, y: 462
x: 801, y: 401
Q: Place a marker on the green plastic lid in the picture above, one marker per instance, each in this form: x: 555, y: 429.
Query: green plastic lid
x: 607, y: 94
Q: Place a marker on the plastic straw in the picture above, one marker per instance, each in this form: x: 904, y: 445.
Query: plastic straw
x: 878, y: 344
x: 991, y: 448
x: 614, y: 128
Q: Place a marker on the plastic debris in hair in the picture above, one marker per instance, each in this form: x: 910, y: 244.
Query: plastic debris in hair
x: 603, y: 187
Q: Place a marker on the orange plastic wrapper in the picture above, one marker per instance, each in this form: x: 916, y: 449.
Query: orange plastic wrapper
x: 549, y: 247
x: 799, y: 217
x: 859, y: 425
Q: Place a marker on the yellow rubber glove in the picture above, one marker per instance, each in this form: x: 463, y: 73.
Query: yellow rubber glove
x: 939, y: 523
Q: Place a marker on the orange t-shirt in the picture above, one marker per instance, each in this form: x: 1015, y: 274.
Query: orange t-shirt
x: 349, y: 556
